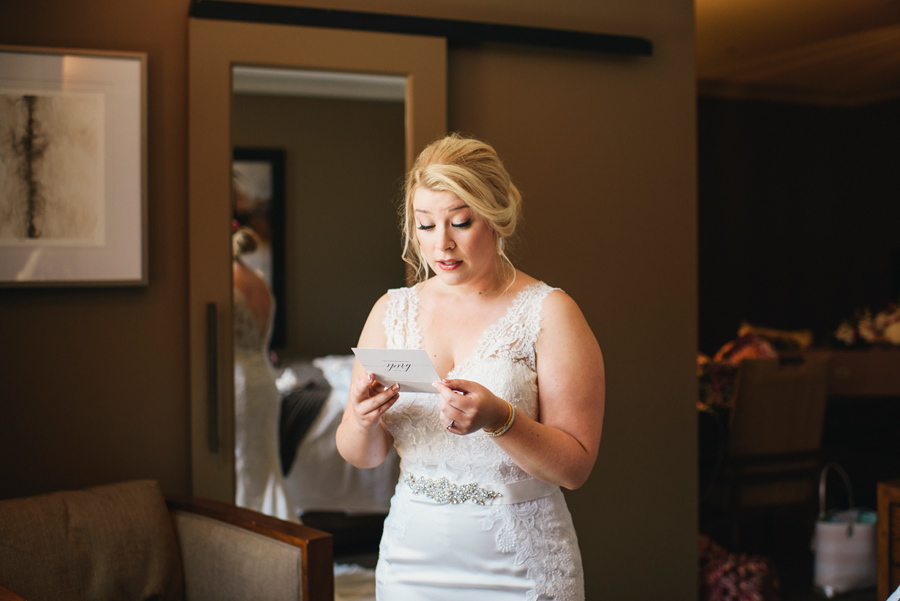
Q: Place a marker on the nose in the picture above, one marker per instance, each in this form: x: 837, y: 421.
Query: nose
x: 446, y: 241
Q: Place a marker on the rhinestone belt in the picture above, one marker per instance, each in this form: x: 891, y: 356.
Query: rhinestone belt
x: 444, y: 491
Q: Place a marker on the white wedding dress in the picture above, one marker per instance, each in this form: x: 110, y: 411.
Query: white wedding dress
x: 257, y: 402
x: 465, y: 521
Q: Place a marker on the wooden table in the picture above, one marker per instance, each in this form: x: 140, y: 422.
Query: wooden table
x: 888, y: 537
x: 863, y: 373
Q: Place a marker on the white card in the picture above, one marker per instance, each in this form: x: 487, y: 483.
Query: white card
x: 411, y: 368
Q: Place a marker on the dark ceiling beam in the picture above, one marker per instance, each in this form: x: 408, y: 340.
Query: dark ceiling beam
x: 456, y: 32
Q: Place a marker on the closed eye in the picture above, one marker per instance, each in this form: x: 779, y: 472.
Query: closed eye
x: 463, y: 225
x: 425, y: 228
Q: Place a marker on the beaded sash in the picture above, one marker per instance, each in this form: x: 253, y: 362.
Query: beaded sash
x: 442, y: 491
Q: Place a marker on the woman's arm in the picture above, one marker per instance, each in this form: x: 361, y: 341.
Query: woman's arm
x: 362, y: 440
x: 561, y: 446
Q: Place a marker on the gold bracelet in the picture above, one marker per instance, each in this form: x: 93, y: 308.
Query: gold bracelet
x: 509, y: 422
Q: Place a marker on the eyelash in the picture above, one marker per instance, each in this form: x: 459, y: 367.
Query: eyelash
x: 459, y: 226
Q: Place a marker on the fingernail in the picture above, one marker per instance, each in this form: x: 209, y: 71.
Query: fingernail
x: 396, y: 386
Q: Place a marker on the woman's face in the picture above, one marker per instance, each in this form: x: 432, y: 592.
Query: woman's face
x: 458, y: 245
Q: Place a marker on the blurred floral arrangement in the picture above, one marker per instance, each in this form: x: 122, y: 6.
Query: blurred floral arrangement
x: 866, y: 329
x: 726, y: 576
x: 716, y: 375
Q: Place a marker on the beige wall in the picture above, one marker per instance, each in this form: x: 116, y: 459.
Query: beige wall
x: 95, y: 382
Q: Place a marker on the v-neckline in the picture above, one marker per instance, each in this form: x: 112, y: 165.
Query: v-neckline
x: 476, y: 350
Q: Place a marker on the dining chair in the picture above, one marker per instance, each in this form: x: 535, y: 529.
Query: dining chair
x: 774, y: 442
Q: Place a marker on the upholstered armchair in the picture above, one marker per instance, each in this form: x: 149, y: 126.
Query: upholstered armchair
x: 127, y: 542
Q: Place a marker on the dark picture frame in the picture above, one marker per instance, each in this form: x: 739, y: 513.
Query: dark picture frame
x: 259, y: 203
x: 73, y: 168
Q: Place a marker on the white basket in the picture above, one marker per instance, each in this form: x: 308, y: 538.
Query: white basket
x: 844, y: 543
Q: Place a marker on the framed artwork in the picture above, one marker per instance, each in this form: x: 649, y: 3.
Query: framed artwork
x: 258, y: 191
x: 73, y: 168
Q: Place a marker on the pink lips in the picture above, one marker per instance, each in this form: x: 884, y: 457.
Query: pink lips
x: 449, y: 265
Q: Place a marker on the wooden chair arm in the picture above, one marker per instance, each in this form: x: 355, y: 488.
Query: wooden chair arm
x: 316, y: 546
x: 8, y: 595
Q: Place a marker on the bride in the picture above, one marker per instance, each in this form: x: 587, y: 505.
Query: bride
x: 518, y: 412
x: 260, y: 484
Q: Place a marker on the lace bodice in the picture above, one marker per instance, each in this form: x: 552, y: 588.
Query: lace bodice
x: 503, y: 361
x: 538, y: 533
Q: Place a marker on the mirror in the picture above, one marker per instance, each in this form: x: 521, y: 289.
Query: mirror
x: 334, y: 145
x: 319, y: 157
x: 215, y: 48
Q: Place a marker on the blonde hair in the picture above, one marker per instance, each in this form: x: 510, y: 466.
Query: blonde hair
x: 473, y: 171
x: 243, y: 241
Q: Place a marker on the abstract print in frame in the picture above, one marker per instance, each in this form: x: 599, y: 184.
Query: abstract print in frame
x: 73, y: 191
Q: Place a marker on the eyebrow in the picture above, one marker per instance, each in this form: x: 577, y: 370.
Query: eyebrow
x: 460, y: 207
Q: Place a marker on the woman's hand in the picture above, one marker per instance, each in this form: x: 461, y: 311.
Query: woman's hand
x: 369, y: 399
x: 362, y: 439
x: 467, y: 407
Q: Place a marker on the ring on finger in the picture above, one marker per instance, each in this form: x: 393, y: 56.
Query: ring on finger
x: 450, y: 425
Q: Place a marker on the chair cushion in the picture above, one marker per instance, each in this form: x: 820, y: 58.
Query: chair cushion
x: 109, y: 542
x: 224, y: 562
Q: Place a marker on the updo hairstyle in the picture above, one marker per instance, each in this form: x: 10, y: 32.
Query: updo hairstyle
x: 243, y: 241
x: 473, y: 171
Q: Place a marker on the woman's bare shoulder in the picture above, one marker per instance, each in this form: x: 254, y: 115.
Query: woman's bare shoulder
x: 563, y: 323
x: 523, y: 280
x: 373, y: 335
x: 382, y: 300
x: 559, y: 303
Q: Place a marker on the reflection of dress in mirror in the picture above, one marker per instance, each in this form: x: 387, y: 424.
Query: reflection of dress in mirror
x: 260, y: 484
